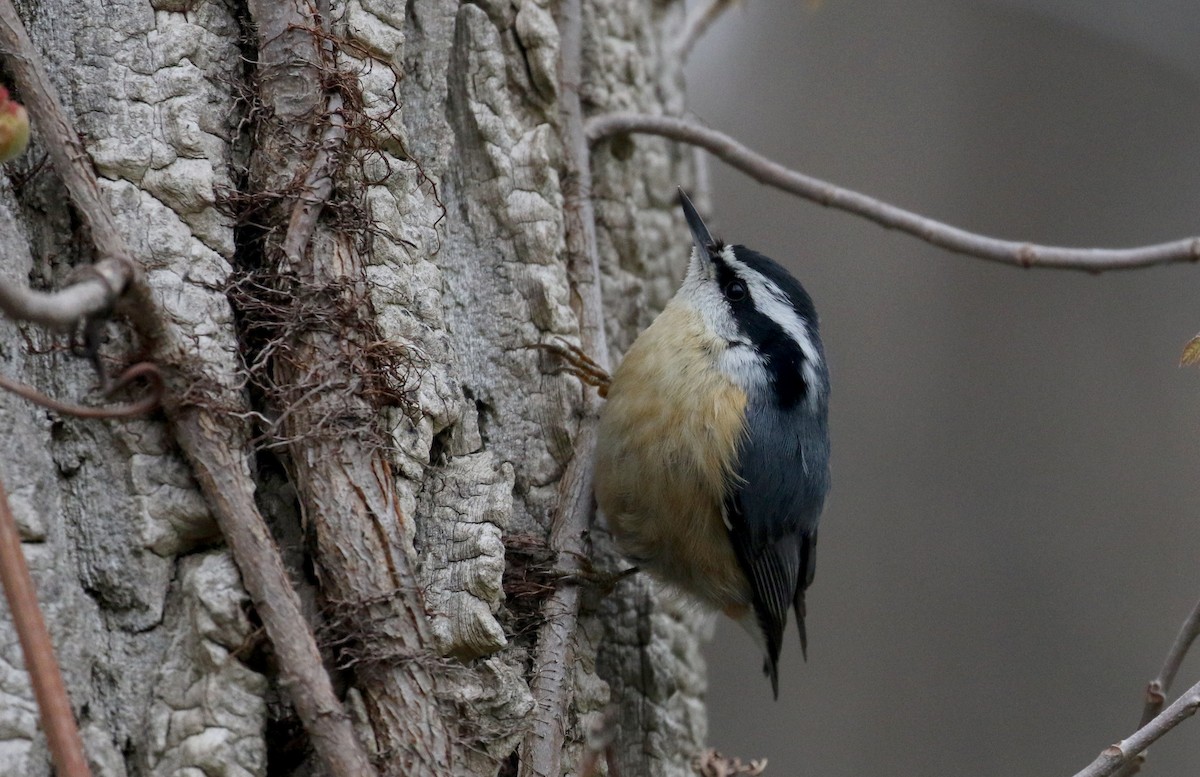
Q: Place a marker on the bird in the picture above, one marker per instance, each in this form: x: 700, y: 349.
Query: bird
x: 712, y: 457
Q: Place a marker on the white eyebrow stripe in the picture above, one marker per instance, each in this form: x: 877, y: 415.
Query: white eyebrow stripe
x: 770, y: 300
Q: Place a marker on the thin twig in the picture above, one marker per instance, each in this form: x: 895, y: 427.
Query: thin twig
x: 1157, y: 689
x: 147, y: 404
x: 698, y: 23
x: 1116, y: 756
x: 54, y: 706
x: 553, y: 665
x: 213, y: 442
x: 771, y: 173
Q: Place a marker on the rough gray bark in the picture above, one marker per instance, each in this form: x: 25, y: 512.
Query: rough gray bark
x: 465, y: 267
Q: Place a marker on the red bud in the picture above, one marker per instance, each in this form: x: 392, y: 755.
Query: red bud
x: 14, y: 127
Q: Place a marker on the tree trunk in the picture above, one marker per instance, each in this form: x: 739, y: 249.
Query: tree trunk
x: 407, y: 443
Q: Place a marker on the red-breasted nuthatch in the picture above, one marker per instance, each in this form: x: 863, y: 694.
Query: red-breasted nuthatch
x: 713, y: 455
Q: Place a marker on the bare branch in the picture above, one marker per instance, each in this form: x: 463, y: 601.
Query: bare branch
x: 1158, y: 688
x: 54, y: 706
x: 1116, y: 756
x: 698, y: 23
x: 952, y: 238
x: 65, y: 308
x: 553, y: 667
x: 1160, y: 685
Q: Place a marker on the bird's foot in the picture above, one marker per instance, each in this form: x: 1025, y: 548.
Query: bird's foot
x: 604, y: 582
x: 577, y: 363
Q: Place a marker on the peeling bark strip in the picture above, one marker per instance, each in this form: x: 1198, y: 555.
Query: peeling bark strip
x: 363, y: 541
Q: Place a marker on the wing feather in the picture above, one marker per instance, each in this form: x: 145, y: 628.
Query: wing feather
x: 773, y: 510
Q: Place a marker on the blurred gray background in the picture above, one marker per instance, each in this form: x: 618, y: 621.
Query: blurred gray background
x: 1013, y: 535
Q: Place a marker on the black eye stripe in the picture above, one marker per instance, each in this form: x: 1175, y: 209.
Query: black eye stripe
x: 782, y: 280
x: 782, y: 355
x: 735, y: 290
x: 727, y: 278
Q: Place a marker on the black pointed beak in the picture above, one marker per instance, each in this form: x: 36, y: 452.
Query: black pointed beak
x: 704, y: 241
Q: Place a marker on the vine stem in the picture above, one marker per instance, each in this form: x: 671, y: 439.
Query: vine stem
x: 54, y: 706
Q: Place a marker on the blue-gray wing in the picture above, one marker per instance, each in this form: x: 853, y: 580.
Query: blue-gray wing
x: 773, y: 512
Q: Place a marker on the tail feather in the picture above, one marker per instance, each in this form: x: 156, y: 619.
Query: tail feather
x: 778, y: 575
x: 771, y: 670
x: 801, y: 611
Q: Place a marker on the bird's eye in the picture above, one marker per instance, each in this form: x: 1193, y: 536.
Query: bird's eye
x: 735, y: 291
